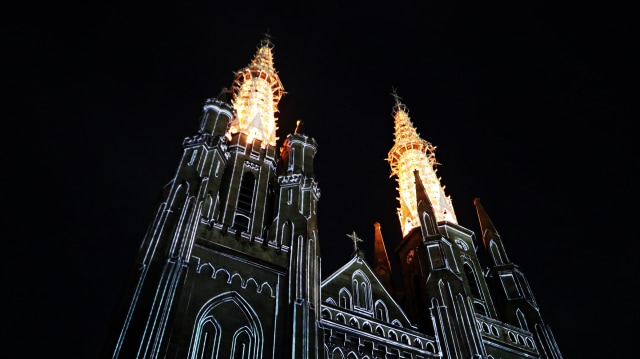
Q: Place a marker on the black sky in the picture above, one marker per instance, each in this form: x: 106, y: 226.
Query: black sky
x: 527, y: 104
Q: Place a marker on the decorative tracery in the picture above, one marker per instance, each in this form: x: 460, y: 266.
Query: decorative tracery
x: 257, y: 90
x: 410, y: 153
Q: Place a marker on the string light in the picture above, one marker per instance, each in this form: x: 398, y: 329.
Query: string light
x: 257, y: 91
x: 410, y: 153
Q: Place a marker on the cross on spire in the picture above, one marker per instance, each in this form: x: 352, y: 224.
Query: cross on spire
x: 266, y: 41
x: 354, y: 237
x: 394, y: 93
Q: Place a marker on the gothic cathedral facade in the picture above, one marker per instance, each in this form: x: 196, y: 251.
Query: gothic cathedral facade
x: 230, y: 265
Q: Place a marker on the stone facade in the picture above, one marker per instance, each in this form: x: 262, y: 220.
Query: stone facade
x: 230, y: 268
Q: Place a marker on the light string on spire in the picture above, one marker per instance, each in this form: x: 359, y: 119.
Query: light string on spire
x: 410, y: 153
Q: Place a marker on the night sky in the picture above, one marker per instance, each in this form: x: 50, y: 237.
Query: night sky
x: 525, y: 101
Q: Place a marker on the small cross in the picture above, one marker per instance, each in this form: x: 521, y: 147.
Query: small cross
x: 394, y: 93
x: 355, y: 239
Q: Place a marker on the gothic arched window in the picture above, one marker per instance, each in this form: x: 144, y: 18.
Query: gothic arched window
x: 381, y: 312
x: 362, y: 291
x: 287, y: 234
x: 344, y: 299
x: 472, y: 280
x: 245, y: 195
x: 241, y: 345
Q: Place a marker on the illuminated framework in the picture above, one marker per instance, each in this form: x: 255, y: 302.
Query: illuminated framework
x: 230, y: 266
x: 411, y: 153
x: 257, y: 91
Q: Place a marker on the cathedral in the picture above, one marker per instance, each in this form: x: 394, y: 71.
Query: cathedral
x: 230, y: 264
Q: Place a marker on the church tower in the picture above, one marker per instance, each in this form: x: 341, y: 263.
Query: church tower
x: 445, y: 291
x: 228, y: 266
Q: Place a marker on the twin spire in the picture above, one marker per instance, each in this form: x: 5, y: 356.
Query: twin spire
x: 257, y: 90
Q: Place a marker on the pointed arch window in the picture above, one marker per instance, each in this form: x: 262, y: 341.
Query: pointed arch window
x: 366, y: 327
x: 379, y: 331
x: 381, y: 311
x: 405, y: 339
x: 362, y: 291
x: 392, y: 335
x: 337, y: 353
x: 244, y: 204
x: 473, y: 281
x: 194, y: 155
x: 241, y: 346
x: 292, y: 159
x: 417, y: 343
x: 344, y: 298
x: 287, y: 234
x: 245, y: 195
x: 209, y: 339
x: 207, y: 206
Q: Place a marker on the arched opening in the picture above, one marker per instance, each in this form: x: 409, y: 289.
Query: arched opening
x: 361, y: 291
x: 366, y: 327
x: 344, y: 298
x: 393, y: 336
x: 287, y: 234
x: 220, y: 335
x: 472, y: 280
x: 245, y: 195
x: 381, y: 311
x: 354, y: 323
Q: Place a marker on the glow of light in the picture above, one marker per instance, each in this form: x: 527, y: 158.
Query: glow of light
x: 257, y: 91
x: 410, y: 153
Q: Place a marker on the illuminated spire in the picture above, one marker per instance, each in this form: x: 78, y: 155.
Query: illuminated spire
x: 409, y: 153
x: 257, y: 90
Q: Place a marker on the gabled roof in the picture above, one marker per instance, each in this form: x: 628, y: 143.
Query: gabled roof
x: 343, y: 280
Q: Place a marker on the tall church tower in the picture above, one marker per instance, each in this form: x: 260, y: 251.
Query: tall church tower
x: 228, y: 266
x: 445, y: 291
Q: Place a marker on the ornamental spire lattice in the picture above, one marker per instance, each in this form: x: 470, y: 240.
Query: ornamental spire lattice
x: 257, y: 90
x: 409, y: 153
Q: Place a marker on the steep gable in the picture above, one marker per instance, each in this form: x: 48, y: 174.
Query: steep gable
x: 356, y: 289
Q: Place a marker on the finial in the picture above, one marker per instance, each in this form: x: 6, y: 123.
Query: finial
x: 354, y: 237
x: 399, y: 106
x: 266, y: 42
x: 299, y: 127
x: 394, y: 93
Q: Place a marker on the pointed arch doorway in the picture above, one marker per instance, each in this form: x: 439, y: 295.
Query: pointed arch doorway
x: 220, y: 335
